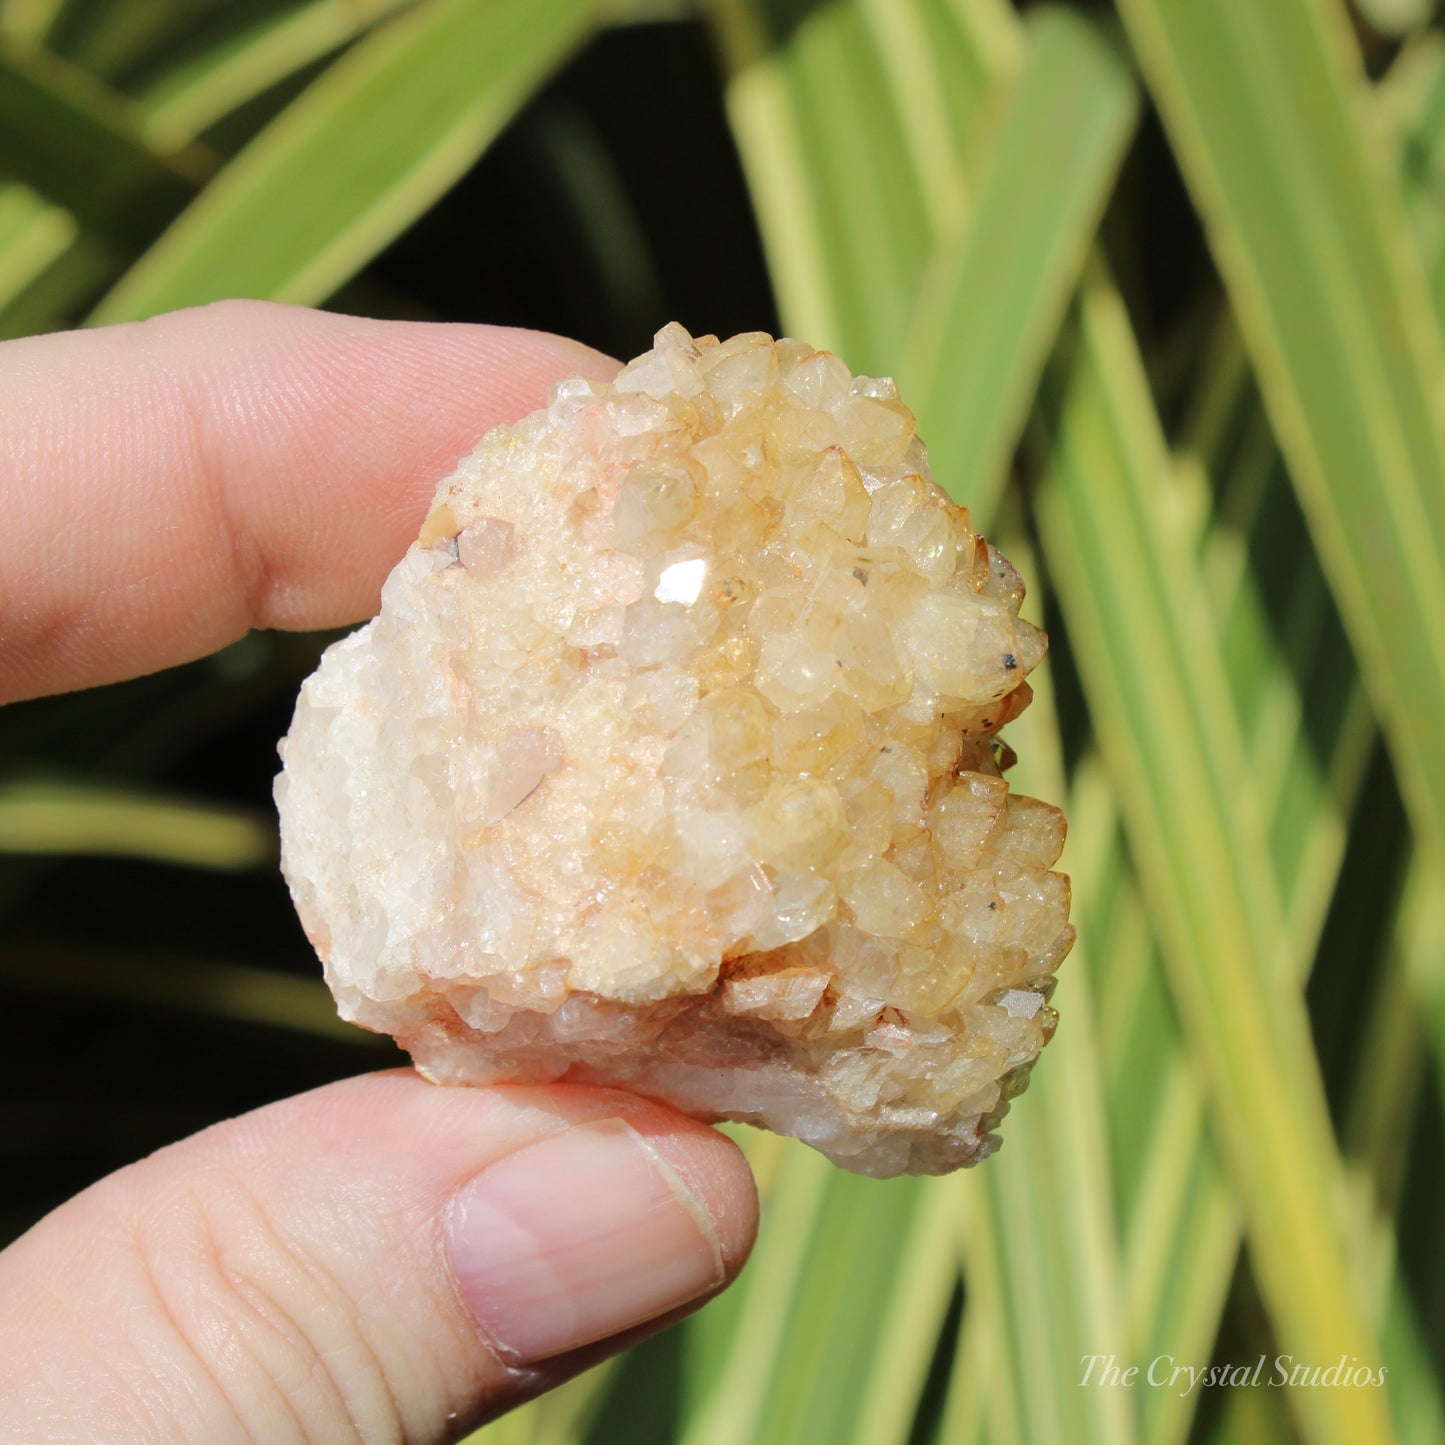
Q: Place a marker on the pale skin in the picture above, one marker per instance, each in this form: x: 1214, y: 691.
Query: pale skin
x: 380, y: 1259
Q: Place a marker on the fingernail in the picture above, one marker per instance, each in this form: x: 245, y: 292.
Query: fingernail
x: 577, y: 1237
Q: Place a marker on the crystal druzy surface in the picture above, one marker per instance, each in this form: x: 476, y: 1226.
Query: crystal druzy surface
x: 671, y: 763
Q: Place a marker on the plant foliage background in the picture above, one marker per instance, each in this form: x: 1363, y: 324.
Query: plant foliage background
x: 1165, y: 283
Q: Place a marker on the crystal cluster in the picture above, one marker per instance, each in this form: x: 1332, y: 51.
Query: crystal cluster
x: 671, y: 763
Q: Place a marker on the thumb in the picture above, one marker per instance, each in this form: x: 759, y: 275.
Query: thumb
x: 380, y: 1259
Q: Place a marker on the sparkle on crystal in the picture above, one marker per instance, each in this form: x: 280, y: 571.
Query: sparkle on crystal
x: 671, y: 763
x: 682, y: 582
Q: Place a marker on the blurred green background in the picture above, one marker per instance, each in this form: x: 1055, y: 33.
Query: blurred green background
x: 1165, y: 282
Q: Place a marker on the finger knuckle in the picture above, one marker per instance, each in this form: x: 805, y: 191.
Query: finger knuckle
x: 271, y: 1333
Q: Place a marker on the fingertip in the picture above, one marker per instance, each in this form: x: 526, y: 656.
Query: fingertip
x: 716, y: 1171
x: 706, y: 1160
x: 303, y: 1263
x: 587, y: 1234
x: 576, y: 357
x: 252, y: 463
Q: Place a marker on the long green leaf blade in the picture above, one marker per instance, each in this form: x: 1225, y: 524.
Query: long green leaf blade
x: 1054, y: 1215
x: 41, y: 817
x: 1264, y: 105
x: 1004, y: 282
x: 198, y: 90
x: 846, y: 228
x: 33, y: 235
x: 360, y: 154
x: 1161, y: 708
x: 49, y: 970
x: 82, y: 146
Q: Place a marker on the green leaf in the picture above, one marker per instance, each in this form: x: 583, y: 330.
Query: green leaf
x: 1311, y: 808
x: 1412, y: 99
x: 1157, y: 692
x: 196, y: 90
x: 43, y: 817
x: 730, y: 1365
x: 975, y: 1409
x: 1396, y: 17
x: 1186, y: 1229
x: 783, y: 185
x: 1054, y: 1222
x: 82, y: 146
x: 792, y: 1351
x: 1264, y: 105
x: 357, y: 157
x: 846, y: 227
x: 1004, y: 281
x: 1305, y: 724
x: 208, y: 987
x: 559, y: 1417
x: 112, y: 38
x: 28, y: 19
x: 33, y: 236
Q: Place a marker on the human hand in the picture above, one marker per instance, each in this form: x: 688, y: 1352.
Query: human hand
x: 379, y: 1259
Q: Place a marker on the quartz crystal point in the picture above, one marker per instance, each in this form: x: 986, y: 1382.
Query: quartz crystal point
x: 671, y: 762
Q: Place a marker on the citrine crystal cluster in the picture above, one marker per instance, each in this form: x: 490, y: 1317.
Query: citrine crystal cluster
x: 671, y: 762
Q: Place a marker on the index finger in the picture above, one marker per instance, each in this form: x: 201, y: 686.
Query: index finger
x: 170, y: 484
